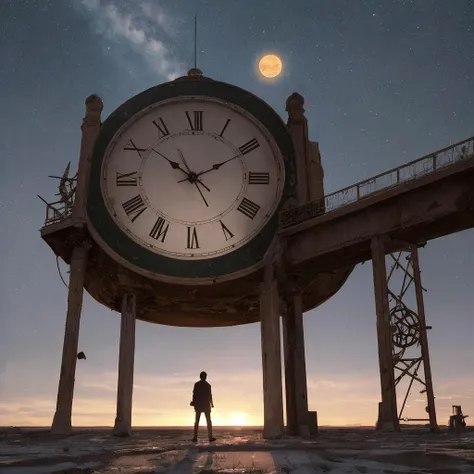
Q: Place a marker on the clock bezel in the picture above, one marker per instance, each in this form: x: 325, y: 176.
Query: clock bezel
x: 128, y: 252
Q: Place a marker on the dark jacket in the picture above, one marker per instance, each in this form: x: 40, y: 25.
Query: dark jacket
x: 202, y: 396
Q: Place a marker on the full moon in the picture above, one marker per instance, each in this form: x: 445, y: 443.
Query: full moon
x: 270, y: 65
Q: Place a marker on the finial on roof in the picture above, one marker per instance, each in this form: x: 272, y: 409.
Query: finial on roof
x: 294, y: 106
x: 94, y: 103
x: 195, y: 72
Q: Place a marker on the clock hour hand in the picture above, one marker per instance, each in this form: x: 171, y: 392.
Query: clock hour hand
x: 174, y: 165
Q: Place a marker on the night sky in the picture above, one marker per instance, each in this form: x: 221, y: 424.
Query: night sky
x: 385, y: 82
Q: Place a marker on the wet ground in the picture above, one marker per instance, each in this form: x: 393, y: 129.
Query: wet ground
x: 238, y: 450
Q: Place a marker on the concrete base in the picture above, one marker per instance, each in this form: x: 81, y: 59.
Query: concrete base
x: 313, y: 422
x: 61, y: 424
x: 122, y: 429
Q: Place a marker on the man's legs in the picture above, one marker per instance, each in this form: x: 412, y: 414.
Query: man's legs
x: 196, y: 425
x: 209, y: 425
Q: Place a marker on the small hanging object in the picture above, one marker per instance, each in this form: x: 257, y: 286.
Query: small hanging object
x: 81, y: 355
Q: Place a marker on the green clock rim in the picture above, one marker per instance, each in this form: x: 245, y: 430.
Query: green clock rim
x: 238, y: 260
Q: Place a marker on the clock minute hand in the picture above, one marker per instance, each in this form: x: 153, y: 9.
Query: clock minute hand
x: 218, y: 165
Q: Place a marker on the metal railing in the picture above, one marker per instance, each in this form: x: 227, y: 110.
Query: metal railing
x: 389, y: 179
x: 57, y: 211
x: 62, y: 208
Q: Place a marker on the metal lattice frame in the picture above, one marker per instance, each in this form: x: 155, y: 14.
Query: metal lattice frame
x: 58, y: 210
x: 409, y: 330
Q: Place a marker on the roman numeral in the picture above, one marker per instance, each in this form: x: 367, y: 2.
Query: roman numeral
x: 248, y: 208
x: 127, y: 179
x: 196, y: 123
x: 132, y: 147
x: 227, y: 233
x: 224, y: 127
x: 192, y: 238
x: 249, y: 146
x: 160, y: 229
x: 259, y: 178
x: 162, y: 128
x: 134, y: 207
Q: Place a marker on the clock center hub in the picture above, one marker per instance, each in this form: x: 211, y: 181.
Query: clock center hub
x: 193, y: 177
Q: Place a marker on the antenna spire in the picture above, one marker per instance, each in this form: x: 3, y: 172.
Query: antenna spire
x: 195, y: 41
x: 195, y: 72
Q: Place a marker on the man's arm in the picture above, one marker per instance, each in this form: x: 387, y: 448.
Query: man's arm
x: 210, y: 396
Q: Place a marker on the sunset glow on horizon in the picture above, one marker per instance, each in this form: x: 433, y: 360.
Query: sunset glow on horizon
x: 340, y: 401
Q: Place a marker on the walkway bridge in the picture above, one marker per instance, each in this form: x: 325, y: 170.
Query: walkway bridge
x: 427, y: 198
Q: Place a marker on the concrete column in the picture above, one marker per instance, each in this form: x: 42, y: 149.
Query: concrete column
x: 295, y: 367
x: 123, y: 420
x: 388, y: 414
x: 273, y: 426
x: 62, y: 417
x: 288, y: 352
x: 301, y: 389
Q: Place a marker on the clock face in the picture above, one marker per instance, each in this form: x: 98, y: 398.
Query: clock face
x: 192, y: 177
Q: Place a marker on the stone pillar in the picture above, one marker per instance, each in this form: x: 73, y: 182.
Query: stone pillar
x: 388, y: 414
x: 62, y: 417
x: 309, y: 171
x: 295, y: 367
x: 123, y: 420
x: 90, y: 129
x: 273, y: 426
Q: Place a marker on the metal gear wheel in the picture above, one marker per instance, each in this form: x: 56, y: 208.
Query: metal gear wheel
x: 405, y: 326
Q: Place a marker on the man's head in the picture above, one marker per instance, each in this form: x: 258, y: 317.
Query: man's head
x: 203, y: 376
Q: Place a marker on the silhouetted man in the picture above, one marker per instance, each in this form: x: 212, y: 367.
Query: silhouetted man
x: 202, y: 403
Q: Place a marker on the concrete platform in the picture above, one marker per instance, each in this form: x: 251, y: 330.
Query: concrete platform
x: 343, y: 450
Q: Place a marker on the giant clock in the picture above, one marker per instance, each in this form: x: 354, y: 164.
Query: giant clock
x: 187, y: 179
